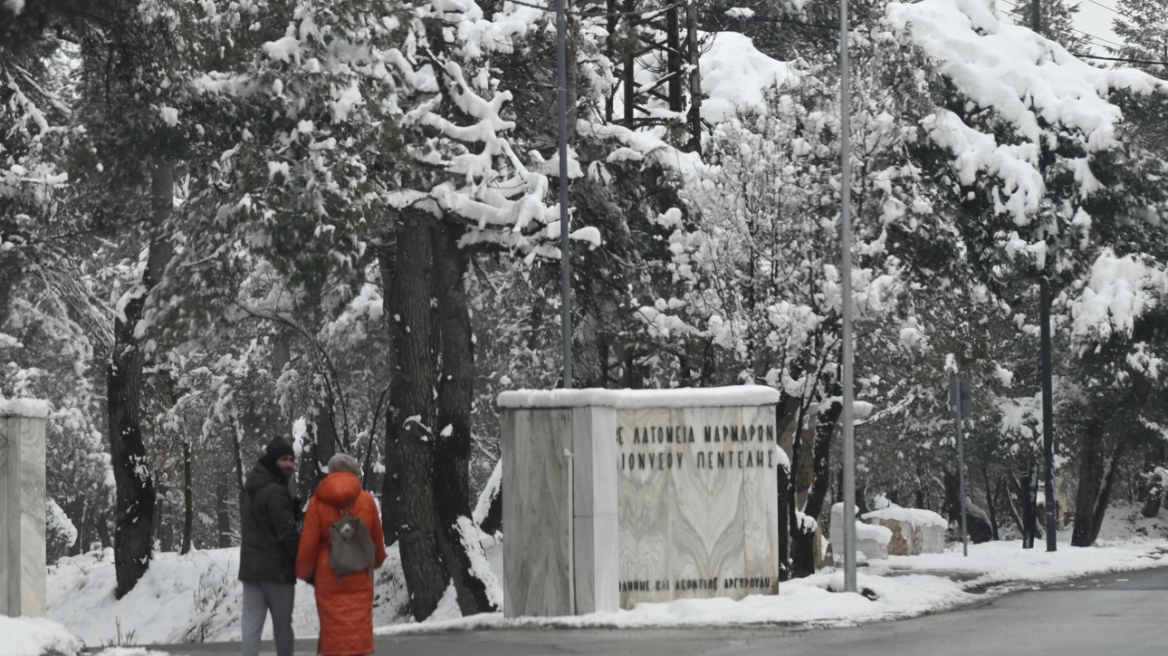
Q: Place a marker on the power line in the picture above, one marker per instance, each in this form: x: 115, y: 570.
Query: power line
x: 1113, y: 9
x: 1123, y: 59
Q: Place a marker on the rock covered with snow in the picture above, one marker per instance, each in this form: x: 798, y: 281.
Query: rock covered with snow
x: 914, y: 530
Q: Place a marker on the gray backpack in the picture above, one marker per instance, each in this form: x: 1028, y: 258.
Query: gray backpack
x: 352, y: 548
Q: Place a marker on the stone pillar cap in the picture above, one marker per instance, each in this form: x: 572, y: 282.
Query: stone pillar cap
x: 682, y: 397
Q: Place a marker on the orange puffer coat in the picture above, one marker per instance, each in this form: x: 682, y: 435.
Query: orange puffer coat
x: 345, y: 608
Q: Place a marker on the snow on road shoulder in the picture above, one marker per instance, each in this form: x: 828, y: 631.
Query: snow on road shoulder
x: 899, y: 587
x: 29, y: 636
x: 196, y: 597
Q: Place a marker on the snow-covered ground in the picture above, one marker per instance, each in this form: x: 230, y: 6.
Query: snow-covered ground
x: 196, y: 597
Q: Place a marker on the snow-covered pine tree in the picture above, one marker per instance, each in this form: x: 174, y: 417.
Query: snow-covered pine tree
x: 1057, y: 21
x: 1049, y: 176
x: 1142, y: 25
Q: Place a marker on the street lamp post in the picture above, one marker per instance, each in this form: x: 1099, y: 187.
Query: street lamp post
x: 565, y: 240
x: 849, y: 483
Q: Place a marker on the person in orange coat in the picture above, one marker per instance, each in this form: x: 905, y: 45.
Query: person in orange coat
x: 345, y: 608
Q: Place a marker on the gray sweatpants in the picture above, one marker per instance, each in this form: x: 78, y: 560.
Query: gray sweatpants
x: 258, y: 599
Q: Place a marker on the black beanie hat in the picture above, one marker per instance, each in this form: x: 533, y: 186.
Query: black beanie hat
x: 278, y: 448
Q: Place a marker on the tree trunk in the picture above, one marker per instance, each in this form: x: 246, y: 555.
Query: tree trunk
x: 977, y: 528
x: 803, y: 542
x: 1091, y: 475
x: 452, y: 445
x: 101, y: 524
x: 391, y: 517
x: 1108, y: 486
x: 237, y: 454
x: 1152, y: 494
x: 989, y: 489
x: 1013, y: 489
x: 163, y: 529
x: 318, y: 449
x: 136, y: 495
x: 1029, y: 494
x: 188, y: 499
x: 493, y: 522
x: 222, y: 516
x: 77, y: 513
x: 785, y: 493
x: 411, y: 402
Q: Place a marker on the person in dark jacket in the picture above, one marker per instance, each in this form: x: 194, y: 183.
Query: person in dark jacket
x: 267, y: 555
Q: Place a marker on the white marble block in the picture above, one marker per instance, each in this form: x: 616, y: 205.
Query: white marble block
x: 871, y: 540
x: 616, y: 497
x: 559, y: 510
x: 22, y: 508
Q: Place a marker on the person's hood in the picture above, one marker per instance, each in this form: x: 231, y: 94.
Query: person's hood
x: 339, y: 489
x: 260, y: 476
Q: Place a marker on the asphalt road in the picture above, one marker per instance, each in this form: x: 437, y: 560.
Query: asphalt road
x: 1108, y: 615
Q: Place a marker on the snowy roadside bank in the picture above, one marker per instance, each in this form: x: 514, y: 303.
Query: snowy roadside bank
x: 901, y: 587
x: 195, y: 598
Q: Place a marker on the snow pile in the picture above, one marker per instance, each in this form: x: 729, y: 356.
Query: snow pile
x: 735, y: 76
x: 23, y: 407
x: 913, y: 516
x: 191, y: 598
x: 28, y: 636
x: 903, y: 586
x: 681, y: 397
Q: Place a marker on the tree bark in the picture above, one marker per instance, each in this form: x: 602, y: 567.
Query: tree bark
x: 411, y: 402
x: 455, y: 399
x: 188, y: 499
x: 803, y: 542
x: 1105, y: 492
x: 136, y: 494
x: 989, y: 490
x: 1091, y: 476
x: 77, y: 512
x: 978, y: 529
x: 391, y: 457
x: 1028, y: 495
x: 222, y: 516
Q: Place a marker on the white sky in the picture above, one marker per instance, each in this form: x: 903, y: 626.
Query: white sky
x: 1095, y: 18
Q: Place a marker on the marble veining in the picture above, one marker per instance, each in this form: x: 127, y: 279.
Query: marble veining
x: 697, y: 518
x: 22, y: 516
x: 537, y: 512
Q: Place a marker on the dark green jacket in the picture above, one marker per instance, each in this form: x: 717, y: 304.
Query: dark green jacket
x: 267, y: 528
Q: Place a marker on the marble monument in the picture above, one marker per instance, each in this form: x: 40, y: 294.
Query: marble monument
x: 22, y: 508
x: 613, y: 497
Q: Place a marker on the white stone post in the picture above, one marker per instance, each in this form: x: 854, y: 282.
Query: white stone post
x: 22, y: 508
x: 615, y: 497
x: 559, y: 510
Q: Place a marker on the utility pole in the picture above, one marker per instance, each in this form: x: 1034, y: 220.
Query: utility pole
x: 849, y: 483
x: 961, y: 401
x: 565, y: 240
x: 1047, y: 371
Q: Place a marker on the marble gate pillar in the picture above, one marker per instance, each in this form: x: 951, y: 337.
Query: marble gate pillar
x: 22, y: 507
